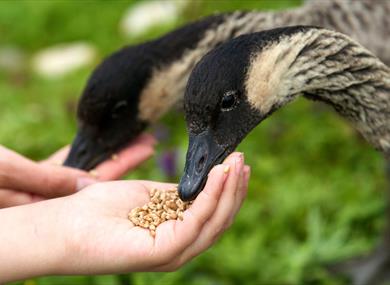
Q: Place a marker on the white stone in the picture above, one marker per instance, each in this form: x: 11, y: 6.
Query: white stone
x: 144, y: 15
x: 59, y: 60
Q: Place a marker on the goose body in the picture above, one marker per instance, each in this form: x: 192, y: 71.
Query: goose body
x: 242, y: 82
x: 137, y: 85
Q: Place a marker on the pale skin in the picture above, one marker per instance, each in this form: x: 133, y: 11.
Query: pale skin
x: 89, y: 232
x: 23, y: 181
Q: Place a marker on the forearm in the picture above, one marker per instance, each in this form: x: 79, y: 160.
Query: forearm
x: 30, y: 241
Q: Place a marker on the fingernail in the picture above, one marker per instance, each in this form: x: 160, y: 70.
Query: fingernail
x: 83, y: 182
x: 226, y: 171
x: 94, y: 173
x: 57, y: 162
x: 239, y: 163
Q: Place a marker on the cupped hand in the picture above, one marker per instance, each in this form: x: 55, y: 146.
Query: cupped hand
x: 24, y: 181
x: 100, y: 238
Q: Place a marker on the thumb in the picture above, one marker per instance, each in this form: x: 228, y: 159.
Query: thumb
x: 45, y: 180
x: 22, y: 174
x: 57, y: 181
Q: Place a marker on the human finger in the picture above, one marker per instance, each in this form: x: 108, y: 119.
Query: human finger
x: 128, y: 158
x: 214, y: 227
x: 183, y: 233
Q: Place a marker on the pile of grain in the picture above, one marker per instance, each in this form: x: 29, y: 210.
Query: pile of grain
x: 164, y: 205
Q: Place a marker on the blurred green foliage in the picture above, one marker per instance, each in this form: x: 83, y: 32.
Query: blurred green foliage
x: 316, y: 192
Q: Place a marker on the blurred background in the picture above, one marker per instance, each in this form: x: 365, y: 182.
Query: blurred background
x: 316, y: 192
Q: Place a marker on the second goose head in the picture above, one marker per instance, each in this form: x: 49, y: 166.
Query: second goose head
x: 239, y: 84
x: 108, y: 108
x: 131, y: 89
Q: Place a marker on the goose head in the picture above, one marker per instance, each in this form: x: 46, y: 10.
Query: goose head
x: 240, y: 83
x: 218, y: 111
x: 108, y: 108
x: 131, y: 89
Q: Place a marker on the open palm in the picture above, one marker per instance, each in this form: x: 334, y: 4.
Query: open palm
x: 105, y: 241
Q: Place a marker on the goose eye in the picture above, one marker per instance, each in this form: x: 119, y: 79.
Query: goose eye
x: 119, y: 109
x: 229, y: 101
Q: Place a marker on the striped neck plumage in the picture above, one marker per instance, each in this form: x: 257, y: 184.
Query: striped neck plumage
x: 327, y: 66
x: 167, y: 83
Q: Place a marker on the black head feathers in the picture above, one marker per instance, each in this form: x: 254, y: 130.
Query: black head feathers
x: 109, y: 111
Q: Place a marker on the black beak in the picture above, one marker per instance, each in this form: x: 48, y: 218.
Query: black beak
x: 203, y: 153
x: 85, y: 153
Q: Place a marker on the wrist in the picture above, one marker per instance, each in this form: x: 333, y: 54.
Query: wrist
x: 52, y: 236
x: 34, y: 240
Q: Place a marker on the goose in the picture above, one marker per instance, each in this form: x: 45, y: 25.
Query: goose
x: 243, y: 81
x: 137, y: 85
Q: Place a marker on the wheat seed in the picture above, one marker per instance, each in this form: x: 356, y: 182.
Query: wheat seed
x: 164, y: 205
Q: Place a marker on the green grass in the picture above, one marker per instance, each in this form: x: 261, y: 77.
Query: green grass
x: 316, y: 192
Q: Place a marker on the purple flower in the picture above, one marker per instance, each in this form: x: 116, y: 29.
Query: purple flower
x: 167, y: 161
